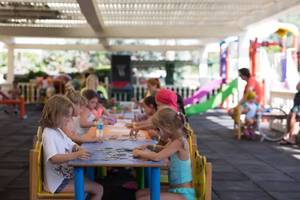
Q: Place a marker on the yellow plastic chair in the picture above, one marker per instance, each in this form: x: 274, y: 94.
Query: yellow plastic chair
x: 36, y: 177
x: 202, y: 173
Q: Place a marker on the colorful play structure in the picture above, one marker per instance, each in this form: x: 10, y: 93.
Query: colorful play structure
x: 195, y: 103
x: 16, y: 102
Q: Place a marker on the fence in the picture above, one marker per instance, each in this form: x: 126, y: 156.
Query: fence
x: 31, y: 92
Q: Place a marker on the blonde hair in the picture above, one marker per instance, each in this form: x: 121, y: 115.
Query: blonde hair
x: 250, y: 95
x: 92, y: 82
x: 56, y: 107
x: 153, y: 82
x: 171, y: 120
x: 73, y: 96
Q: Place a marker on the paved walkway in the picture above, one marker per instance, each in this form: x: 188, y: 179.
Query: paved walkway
x: 241, y: 169
x: 246, y: 169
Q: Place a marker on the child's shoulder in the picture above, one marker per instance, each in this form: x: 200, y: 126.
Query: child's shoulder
x: 50, y: 132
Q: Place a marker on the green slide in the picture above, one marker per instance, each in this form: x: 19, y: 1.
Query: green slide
x: 214, y: 101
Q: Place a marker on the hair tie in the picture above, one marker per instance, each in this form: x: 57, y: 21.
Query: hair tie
x: 181, y: 117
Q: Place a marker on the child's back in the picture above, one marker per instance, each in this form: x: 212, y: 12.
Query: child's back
x: 252, y: 110
x: 55, y: 142
x: 58, y: 149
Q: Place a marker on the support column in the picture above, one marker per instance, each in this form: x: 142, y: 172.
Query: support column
x: 203, y: 67
x: 244, y: 42
x: 10, y: 63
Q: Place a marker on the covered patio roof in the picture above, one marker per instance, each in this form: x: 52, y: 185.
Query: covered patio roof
x: 111, y: 20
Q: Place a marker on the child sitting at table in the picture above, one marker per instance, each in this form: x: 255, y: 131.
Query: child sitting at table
x: 143, y: 121
x: 71, y: 129
x: 100, y: 110
x: 171, y: 125
x: 58, y: 149
x: 87, y: 117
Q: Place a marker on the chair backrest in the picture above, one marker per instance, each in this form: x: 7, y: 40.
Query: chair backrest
x: 190, y: 138
x: 39, y: 133
x: 38, y: 137
x: 33, y: 179
x: 199, y: 175
x: 40, y: 166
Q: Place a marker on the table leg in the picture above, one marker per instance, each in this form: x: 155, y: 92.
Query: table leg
x: 140, y: 177
x: 79, y: 183
x: 155, y: 183
x: 147, y: 172
x: 91, y: 173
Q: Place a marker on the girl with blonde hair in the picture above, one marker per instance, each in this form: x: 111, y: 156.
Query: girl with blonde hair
x: 153, y: 85
x: 58, y: 149
x: 171, y: 126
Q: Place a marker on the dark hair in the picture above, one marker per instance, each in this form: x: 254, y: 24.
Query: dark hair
x: 89, y: 94
x: 244, y: 72
x: 150, y: 100
x: 180, y: 103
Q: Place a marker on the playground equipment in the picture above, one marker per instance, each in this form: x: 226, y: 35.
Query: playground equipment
x: 18, y: 102
x: 281, y: 30
x: 202, y: 92
x: 214, y: 101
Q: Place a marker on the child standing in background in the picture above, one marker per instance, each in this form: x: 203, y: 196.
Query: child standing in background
x: 58, y: 149
x: 171, y: 126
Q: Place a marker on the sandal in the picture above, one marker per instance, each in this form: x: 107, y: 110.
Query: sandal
x: 286, y: 142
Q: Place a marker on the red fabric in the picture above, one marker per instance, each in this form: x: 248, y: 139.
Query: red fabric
x: 253, y: 84
x: 167, y: 97
x: 98, y: 112
x: 120, y: 84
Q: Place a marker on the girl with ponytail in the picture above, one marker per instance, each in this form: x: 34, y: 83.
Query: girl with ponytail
x: 171, y: 126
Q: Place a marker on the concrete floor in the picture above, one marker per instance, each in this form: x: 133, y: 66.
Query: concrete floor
x: 242, y: 170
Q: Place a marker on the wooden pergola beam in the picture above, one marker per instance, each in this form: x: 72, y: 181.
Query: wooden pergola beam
x: 98, y: 47
x: 93, y: 16
x: 140, y: 32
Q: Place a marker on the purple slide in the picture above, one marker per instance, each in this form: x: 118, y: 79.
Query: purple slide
x: 202, y: 92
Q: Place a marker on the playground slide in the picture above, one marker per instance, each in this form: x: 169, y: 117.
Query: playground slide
x: 202, y: 92
x: 214, y: 101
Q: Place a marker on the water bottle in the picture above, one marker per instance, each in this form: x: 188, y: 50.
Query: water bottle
x: 99, y: 130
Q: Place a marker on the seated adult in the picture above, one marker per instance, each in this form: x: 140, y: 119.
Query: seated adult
x: 251, y: 86
x: 293, y: 121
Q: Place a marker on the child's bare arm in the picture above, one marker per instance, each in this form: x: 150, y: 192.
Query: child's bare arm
x: 73, y: 136
x: 62, y: 158
x: 143, y: 125
x: 83, y: 120
x: 163, y: 154
x: 105, y: 112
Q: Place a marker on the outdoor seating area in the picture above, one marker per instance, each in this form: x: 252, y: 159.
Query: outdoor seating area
x: 149, y: 100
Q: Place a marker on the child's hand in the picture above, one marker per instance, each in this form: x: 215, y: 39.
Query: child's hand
x: 83, y: 154
x: 136, y: 152
x: 129, y: 125
x: 97, y: 139
x: 97, y: 118
x: 142, y: 147
x: 152, y: 133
